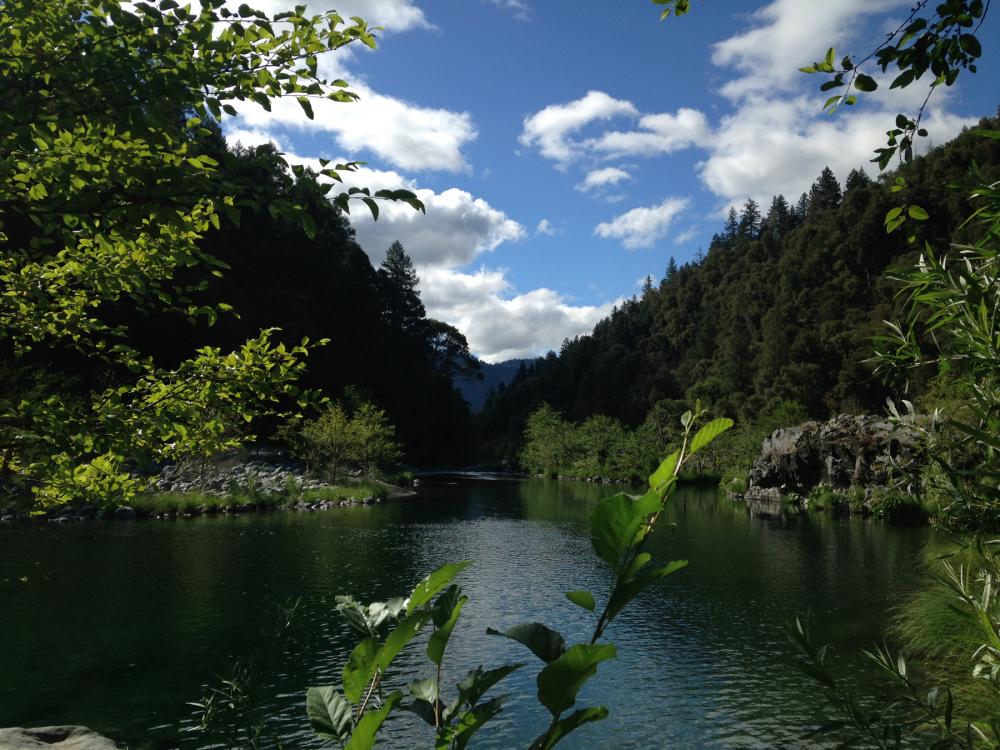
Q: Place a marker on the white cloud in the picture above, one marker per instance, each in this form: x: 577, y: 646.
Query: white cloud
x: 392, y: 15
x: 769, y: 146
x: 519, y: 8
x: 687, y: 235
x: 600, y: 177
x: 499, y: 323
x: 777, y: 139
x: 550, y: 128
x: 661, y: 133
x: 642, y: 227
x: 404, y: 134
x: 456, y: 228
x: 787, y: 35
x: 545, y: 229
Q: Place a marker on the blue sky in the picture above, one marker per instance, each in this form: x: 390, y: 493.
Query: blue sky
x: 565, y: 150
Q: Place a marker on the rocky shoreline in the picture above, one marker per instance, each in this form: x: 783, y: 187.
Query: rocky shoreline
x: 267, y: 479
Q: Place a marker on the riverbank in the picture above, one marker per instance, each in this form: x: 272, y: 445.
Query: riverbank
x: 254, y: 482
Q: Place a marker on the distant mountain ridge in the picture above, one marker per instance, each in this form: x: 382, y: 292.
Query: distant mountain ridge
x: 475, y: 392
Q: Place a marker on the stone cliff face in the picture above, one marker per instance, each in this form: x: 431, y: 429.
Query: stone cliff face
x: 846, y: 451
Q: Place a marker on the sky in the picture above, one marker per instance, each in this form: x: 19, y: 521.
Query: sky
x: 566, y: 150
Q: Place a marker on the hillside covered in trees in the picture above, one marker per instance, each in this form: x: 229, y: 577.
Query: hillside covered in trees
x: 778, y: 316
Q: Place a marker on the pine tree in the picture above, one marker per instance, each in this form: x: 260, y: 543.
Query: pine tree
x: 402, y: 309
x: 749, y: 226
x: 801, y: 209
x: 671, y: 269
x: 732, y: 225
x: 856, y: 179
x: 825, y: 192
x: 779, y: 218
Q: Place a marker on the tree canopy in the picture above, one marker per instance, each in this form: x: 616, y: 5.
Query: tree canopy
x: 107, y: 188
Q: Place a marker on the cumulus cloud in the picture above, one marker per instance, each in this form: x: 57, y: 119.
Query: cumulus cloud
x: 550, y: 128
x: 404, y: 134
x: 773, y: 147
x: 642, y: 227
x: 500, y: 323
x: 456, y: 228
x: 601, y: 177
x: 391, y: 15
x: 777, y: 140
x: 661, y: 133
x: 785, y: 35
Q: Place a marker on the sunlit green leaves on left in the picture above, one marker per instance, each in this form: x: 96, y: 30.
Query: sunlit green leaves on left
x: 105, y: 195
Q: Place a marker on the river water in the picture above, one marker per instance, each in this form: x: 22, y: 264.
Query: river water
x: 121, y: 625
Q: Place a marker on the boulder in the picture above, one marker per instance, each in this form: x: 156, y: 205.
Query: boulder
x: 59, y: 738
x: 124, y: 513
x: 845, y: 451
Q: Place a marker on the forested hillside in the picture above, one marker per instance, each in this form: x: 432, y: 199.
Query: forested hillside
x: 782, y: 307
x: 382, y: 348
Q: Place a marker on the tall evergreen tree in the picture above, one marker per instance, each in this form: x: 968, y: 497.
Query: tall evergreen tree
x: 749, y: 226
x: 825, y: 192
x: 397, y: 280
x: 671, y: 269
x: 732, y: 225
x: 779, y: 218
x: 857, y: 178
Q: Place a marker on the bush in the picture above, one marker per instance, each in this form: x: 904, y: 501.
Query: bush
x: 338, y: 442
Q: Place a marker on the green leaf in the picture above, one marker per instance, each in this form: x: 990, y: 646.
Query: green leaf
x: 439, y: 638
x: 628, y: 589
x: 363, y: 736
x: 359, y: 669
x: 472, y: 721
x: 372, y: 206
x: 665, y: 473
x: 426, y: 690
x: 475, y: 684
x: 329, y: 713
x: 308, y: 225
x: 918, y: 213
x: 399, y: 638
x: 865, y: 83
x: 545, y: 643
x: 708, y: 433
x: 572, y: 722
x: 428, y: 588
x: 582, y: 599
x: 615, y: 522
x: 561, y: 680
x: 971, y: 45
x: 306, y: 106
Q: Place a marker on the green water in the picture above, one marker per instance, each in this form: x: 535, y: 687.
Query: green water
x: 122, y: 624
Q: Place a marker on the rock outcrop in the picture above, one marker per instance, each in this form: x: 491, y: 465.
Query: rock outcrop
x: 54, y: 738
x: 262, y: 470
x: 846, y: 451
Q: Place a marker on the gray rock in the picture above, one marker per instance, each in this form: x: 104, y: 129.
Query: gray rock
x: 59, y: 738
x: 845, y: 451
x: 8, y: 518
x: 124, y: 513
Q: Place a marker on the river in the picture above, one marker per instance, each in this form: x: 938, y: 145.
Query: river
x: 121, y: 624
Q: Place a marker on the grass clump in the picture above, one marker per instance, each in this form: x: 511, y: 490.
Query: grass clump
x: 354, y: 491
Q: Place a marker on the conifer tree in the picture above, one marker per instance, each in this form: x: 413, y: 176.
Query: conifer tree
x: 749, y: 226
x: 779, y: 217
x: 397, y: 280
x: 825, y: 192
x: 732, y: 225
